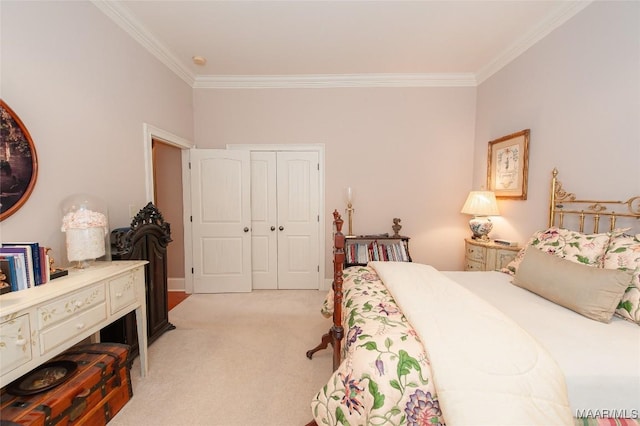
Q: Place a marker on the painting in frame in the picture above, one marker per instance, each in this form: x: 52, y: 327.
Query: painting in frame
x: 508, y: 165
x: 18, y: 162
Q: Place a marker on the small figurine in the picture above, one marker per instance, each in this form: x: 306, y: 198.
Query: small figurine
x: 52, y: 267
x: 396, y: 227
x: 54, y: 272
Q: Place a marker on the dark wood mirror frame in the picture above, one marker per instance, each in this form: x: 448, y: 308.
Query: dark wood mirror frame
x: 18, y: 162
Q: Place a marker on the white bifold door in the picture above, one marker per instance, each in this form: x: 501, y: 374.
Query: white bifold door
x: 255, y: 220
x: 284, y: 218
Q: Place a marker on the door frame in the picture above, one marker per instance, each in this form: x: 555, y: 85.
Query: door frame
x: 150, y: 133
x: 319, y: 148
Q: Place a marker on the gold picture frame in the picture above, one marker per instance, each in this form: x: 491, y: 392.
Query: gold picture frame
x: 508, y: 165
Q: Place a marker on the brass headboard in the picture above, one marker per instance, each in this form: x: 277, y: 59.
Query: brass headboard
x: 563, y: 203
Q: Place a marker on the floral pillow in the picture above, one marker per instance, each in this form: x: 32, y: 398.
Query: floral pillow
x: 587, y: 249
x: 623, y: 253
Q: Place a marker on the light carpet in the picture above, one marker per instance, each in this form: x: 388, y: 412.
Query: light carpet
x: 233, y: 359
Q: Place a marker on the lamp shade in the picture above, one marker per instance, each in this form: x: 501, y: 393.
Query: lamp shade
x: 481, y: 203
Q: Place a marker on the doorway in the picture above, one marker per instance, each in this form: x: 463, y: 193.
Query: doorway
x: 185, y: 146
x: 167, y: 162
x: 167, y: 178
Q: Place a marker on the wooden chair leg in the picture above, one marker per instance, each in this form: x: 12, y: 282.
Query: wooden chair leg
x: 324, y: 343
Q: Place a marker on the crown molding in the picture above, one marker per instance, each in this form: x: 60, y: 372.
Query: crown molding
x: 318, y: 81
x: 121, y: 16
x: 567, y: 11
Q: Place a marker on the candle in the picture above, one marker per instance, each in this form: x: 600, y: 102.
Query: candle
x: 349, y: 195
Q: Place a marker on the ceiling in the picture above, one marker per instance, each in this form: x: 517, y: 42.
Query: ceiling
x: 310, y: 43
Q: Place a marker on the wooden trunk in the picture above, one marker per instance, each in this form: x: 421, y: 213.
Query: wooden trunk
x: 95, y: 392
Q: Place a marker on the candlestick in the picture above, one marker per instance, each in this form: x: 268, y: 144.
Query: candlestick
x: 350, y: 209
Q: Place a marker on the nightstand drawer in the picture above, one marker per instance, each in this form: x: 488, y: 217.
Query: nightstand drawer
x: 475, y: 253
x: 473, y: 266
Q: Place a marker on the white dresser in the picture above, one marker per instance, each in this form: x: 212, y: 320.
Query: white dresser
x: 39, y: 323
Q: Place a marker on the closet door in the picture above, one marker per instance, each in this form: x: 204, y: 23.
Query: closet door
x: 298, y: 220
x: 221, y: 220
x: 264, y: 219
x: 285, y: 228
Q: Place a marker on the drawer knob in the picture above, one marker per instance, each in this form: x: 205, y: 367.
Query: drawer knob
x: 119, y: 294
x: 79, y: 303
x: 80, y: 325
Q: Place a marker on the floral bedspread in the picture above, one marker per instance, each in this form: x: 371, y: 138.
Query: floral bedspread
x: 385, y: 377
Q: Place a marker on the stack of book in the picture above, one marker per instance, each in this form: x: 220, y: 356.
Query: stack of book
x: 24, y: 265
x: 374, y: 250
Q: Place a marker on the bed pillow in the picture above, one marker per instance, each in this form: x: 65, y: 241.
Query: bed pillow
x: 623, y: 253
x: 587, y: 249
x: 592, y: 292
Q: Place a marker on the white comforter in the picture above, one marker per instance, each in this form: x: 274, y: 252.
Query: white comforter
x: 487, y: 370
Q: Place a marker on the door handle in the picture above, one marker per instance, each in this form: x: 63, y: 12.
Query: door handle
x: 246, y: 229
x: 281, y: 228
x: 273, y: 228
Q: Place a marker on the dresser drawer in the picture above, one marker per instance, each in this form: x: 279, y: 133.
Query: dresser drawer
x: 122, y: 292
x: 15, y: 343
x: 76, y: 325
x: 475, y: 253
x: 472, y: 265
x: 67, y: 307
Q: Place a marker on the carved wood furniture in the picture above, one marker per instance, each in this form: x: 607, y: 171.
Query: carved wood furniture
x: 147, y: 239
x: 38, y: 323
x: 336, y: 332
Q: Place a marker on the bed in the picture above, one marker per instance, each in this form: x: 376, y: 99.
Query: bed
x: 417, y: 346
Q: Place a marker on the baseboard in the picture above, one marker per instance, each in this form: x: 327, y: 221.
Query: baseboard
x: 178, y: 284
x: 326, y: 284
x: 175, y: 284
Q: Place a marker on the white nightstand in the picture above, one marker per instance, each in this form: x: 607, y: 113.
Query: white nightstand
x: 487, y: 255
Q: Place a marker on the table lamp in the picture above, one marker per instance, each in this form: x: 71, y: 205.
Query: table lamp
x: 480, y: 205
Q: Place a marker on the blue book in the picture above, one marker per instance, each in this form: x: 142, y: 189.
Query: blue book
x: 18, y: 261
x: 35, y: 259
x: 26, y: 263
x: 8, y: 268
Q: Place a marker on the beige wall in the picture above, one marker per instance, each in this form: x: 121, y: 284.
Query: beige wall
x: 578, y: 90
x: 406, y: 152
x: 83, y: 88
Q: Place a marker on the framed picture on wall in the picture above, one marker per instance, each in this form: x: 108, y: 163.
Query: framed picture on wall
x: 18, y: 162
x: 508, y: 165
